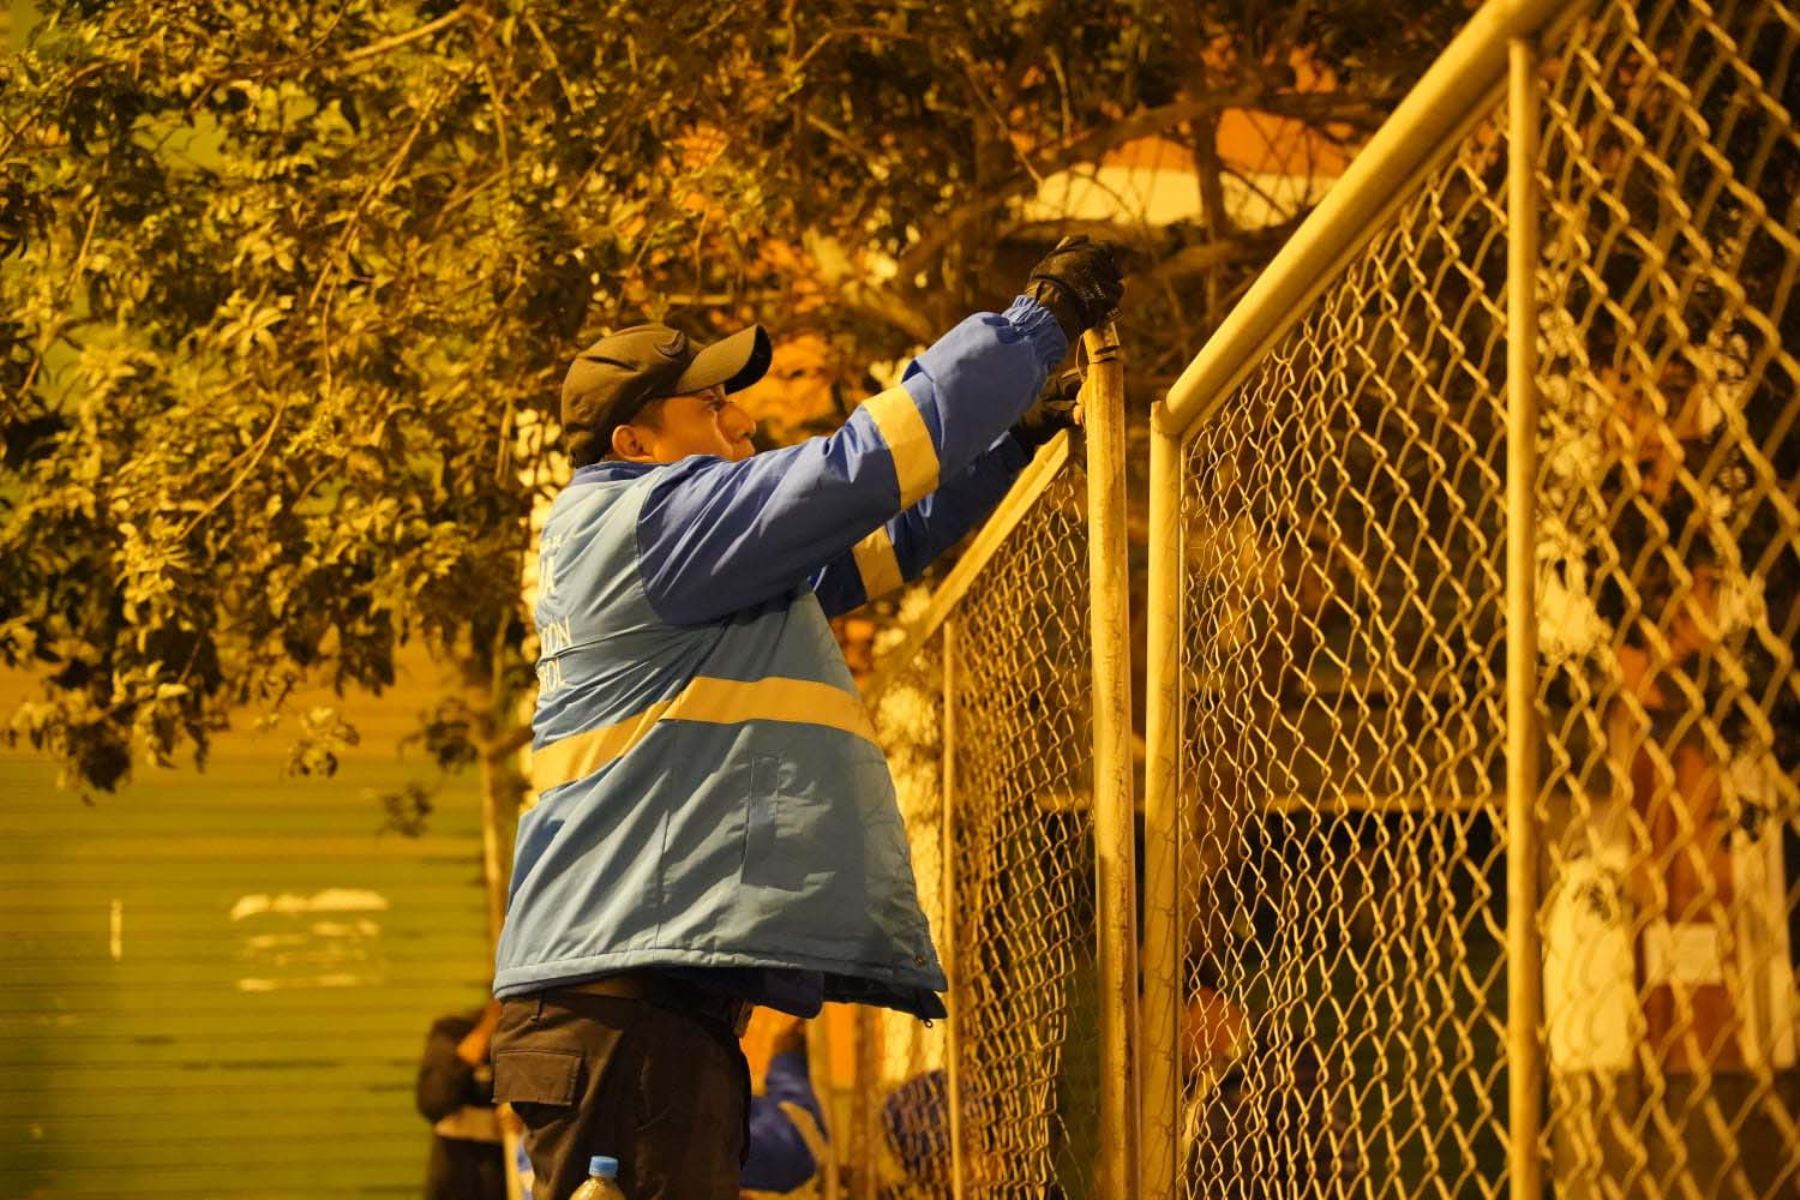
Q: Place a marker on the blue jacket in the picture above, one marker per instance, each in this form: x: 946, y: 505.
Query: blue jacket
x: 710, y: 793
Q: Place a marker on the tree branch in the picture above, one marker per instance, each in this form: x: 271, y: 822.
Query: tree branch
x: 393, y: 167
x: 1026, y: 54
x: 871, y: 33
x: 506, y: 743
x: 1197, y: 260
x: 1087, y: 148
x: 394, y: 42
x: 373, y: 50
x: 1311, y: 107
x: 885, y: 306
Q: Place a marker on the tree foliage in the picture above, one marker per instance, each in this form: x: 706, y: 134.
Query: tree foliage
x: 288, y: 288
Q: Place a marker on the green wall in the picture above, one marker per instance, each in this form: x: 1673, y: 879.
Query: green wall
x: 165, y: 1033
x: 217, y: 984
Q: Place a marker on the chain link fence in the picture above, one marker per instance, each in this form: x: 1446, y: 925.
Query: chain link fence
x: 1472, y: 822
x: 1344, y: 723
x: 1669, y: 174
x: 1023, y: 861
x: 986, y: 718
x: 1342, y: 907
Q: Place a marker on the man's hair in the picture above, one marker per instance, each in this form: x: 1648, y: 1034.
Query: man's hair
x: 589, y: 446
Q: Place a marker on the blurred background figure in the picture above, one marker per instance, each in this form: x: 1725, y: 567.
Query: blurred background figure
x: 788, y: 1154
x: 1259, y: 1120
x: 912, y: 1158
x: 456, y: 1094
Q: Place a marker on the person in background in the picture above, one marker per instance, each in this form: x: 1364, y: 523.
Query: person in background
x: 787, y: 1127
x: 1259, y: 1118
x: 455, y: 1092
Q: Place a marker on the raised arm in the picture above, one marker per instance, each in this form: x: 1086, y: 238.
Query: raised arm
x: 447, y: 1078
x: 899, y: 551
x: 715, y: 537
x: 782, y: 1155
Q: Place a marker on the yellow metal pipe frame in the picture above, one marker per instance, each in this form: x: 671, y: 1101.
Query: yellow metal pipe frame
x: 1454, y: 94
x: 1163, y: 985
x: 1109, y: 580
x: 1524, y: 975
x: 864, y: 1111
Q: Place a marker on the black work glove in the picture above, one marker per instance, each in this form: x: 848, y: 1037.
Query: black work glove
x: 1079, y: 282
x: 1051, y: 413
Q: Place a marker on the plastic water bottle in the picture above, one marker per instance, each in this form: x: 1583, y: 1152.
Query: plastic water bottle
x: 602, y: 1181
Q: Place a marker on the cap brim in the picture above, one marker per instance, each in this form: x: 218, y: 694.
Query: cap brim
x: 735, y: 362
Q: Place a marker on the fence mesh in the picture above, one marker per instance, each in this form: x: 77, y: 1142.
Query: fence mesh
x: 1342, y: 817
x: 1020, y: 868
x: 1024, y: 860
x: 1341, y: 823
x: 910, y: 1156
x: 1669, y: 172
x: 1344, y: 731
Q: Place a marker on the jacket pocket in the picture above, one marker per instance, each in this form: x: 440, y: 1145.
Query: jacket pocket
x: 548, y: 1077
x: 764, y: 863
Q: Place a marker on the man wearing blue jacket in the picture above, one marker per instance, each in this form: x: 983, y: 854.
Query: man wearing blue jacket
x: 716, y: 827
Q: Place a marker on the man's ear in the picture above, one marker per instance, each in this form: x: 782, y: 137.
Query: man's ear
x: 628, y: 443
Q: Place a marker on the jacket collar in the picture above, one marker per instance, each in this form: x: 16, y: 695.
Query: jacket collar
x: 611, y: 471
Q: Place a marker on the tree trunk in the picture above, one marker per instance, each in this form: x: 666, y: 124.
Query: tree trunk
x: 501, y: 791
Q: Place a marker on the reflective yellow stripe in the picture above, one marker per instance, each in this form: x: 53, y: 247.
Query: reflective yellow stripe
x: 876, y: 563
x: 713, y: 701
x: 908, y: 440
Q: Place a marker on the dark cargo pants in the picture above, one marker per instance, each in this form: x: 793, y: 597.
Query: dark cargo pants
x: 665, y: 1092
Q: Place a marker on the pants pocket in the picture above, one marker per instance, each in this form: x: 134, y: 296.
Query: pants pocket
x: 536, y: 1076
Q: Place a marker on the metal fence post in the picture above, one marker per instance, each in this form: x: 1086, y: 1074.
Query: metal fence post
x: 947, y: 936
x: 864, y: 1111
x: 1524, y: 957
x: 1159, y: 1130
x: 1109, y: 578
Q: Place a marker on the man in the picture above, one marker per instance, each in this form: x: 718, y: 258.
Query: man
x: 716, y: 827
x: 455, y: 1092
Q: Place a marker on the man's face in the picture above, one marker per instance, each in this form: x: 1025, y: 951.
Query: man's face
x: 699, y: 423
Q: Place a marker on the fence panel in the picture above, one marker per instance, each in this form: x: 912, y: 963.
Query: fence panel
x: 1331, y: 767
x: 986, y: 715
x: 1669, y: 171
x: 1338, y: 840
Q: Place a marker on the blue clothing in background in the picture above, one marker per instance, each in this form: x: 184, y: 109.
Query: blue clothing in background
x: 780, y: 1159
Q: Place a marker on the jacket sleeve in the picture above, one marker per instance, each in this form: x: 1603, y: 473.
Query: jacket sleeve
x: 779, y: 1159
x: 899, y: 551
x: 446, y: 1083
x: 715, y: 537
